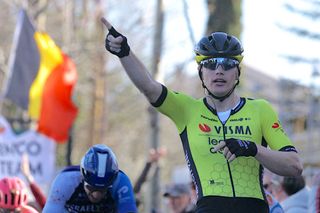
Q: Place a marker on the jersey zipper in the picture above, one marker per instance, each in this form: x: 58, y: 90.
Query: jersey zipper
x: 229, y: 169
x: 237, y: 108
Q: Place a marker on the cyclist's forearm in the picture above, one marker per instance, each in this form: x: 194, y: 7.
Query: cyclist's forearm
x: 281, y: 163
x: 38, y: 194
x: 140, y: 76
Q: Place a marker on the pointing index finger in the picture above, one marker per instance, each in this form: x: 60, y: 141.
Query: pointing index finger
x: 106, y: 23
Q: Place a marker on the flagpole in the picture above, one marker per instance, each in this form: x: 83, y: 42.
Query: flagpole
x: 69, y: 147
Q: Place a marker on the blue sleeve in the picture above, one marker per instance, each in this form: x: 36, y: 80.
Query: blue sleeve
x: 61, y: 190
x: 123, y: 195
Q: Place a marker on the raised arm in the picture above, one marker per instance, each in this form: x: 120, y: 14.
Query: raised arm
x: 117, y: 44
x: 35, y: 189
x: 154, y: 156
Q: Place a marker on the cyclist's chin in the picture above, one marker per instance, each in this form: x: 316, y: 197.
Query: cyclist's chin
x: 94, y: 199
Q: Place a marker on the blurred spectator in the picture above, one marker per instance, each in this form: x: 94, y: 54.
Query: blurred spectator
x: 153, y: 158
x: 13, y: 196
x: 292, y: 194
x: 267, y: 180
x: 180, y: 198
x: 35, y: 189
x: 274, y: 205
x: 181, y: 175
x: 314, y: 195
x: 194, y: 196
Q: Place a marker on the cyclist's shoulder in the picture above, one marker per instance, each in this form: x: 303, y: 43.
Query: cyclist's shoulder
x: 259, y: 102
x: 69, y: 176
x: 121, y: 180
x: 122, y: 176
x: 182, y: 95
x: 69, y: 169
x: 256, y: 100
x: 64, y: 186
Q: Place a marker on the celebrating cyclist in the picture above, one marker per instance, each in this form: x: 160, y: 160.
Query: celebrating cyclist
x: 225, y: 137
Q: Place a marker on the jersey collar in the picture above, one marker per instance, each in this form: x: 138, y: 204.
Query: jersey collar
x: 233, y: 111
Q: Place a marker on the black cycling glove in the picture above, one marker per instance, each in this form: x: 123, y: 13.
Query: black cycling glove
x: 124, y: 49
x: 241, y: 148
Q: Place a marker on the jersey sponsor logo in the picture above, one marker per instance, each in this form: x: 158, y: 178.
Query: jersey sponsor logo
x: 240, y: 119
x: 210, y: 119
x: 275, y: 125
x: 213, y: 182
x: 204, y: 128
x: 212, y: 142
x: 123, y: 194
x: 85, y: 208
x: 237, y: 130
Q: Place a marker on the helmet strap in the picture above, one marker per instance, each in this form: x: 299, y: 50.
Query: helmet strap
x: 221, y: 98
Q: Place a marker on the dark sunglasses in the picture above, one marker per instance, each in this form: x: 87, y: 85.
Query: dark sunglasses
x: 94, y: 189
x: 226, y: 63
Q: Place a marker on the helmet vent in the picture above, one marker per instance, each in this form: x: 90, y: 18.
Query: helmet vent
x: 204, y: 47
x: 236, y: 47
x: 226, y: 43
x: 19, y: 199
x: 218, y: 44
x: 98, y: 165
x: 12, y: 198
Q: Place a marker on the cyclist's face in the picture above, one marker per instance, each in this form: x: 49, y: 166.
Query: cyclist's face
x: 95, y: 195
x: 180, y: 203
x: 219, y: 80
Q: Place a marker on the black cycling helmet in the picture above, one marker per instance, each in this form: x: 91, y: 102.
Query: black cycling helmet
x: 99, y: 166
x: 218, y: 44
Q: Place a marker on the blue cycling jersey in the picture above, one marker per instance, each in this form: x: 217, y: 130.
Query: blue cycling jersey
x: 67, y: 194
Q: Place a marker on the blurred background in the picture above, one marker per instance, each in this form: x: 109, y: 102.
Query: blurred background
x: 281, y: 40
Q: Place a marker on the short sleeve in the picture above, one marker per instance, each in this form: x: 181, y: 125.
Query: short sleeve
x: 176, y: 105
x: 272, y: 129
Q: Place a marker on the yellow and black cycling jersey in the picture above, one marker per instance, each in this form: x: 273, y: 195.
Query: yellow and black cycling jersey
x: 201, y: 130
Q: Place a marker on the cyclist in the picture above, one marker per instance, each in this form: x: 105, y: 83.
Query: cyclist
x: 13, y: 196
x: 224, y: 136
x: 97, y: 185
